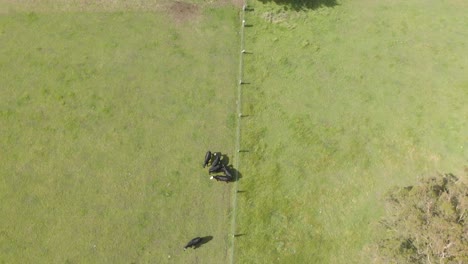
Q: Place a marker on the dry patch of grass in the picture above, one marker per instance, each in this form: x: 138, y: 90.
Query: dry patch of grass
x: 183, y: 11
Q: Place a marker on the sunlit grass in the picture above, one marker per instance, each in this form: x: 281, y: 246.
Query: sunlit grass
x: 104, y: 122
x: 345, y: 102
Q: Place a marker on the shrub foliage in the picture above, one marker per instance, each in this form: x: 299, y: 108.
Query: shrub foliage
x: 426, y: 223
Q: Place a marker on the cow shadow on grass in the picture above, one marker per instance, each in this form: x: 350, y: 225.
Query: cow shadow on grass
x: 303, y: 4
x: 204, y: 240
x: 236, y: 175
x: 225, y: 159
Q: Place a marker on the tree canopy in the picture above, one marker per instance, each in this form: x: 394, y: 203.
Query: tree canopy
x: 303, y: 4
x: 426, y: 223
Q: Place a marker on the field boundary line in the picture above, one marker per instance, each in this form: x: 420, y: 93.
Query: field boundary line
x: 239, y: 117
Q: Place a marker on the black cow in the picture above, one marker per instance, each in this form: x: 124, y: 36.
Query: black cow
x: 217, y: 159
x: 193, y: 243
x: 215, y: 168
x: 225, y: 179
x: 207, y: 158
x: 226, y: 170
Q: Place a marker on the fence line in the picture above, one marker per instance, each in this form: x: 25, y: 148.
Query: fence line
x: 239, y: 116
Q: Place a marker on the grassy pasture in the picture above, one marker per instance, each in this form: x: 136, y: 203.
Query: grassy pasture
x: 343, y: 103
x: 104, y: 121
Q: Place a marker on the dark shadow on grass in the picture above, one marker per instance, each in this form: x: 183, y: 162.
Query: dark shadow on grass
x: 303, y: 4
x: 236, y: 175
x: 239, y: 235
x: 204, y: 241
x: 225, y: 159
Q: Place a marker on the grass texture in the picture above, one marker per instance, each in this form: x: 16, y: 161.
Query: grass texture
x: 105, y: 119
x: 344, y: 102
x: 107, y: 111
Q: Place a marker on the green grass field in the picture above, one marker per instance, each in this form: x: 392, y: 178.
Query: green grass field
x: 105, y: 118
x: 343, y: 103
x: 107, y: 109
